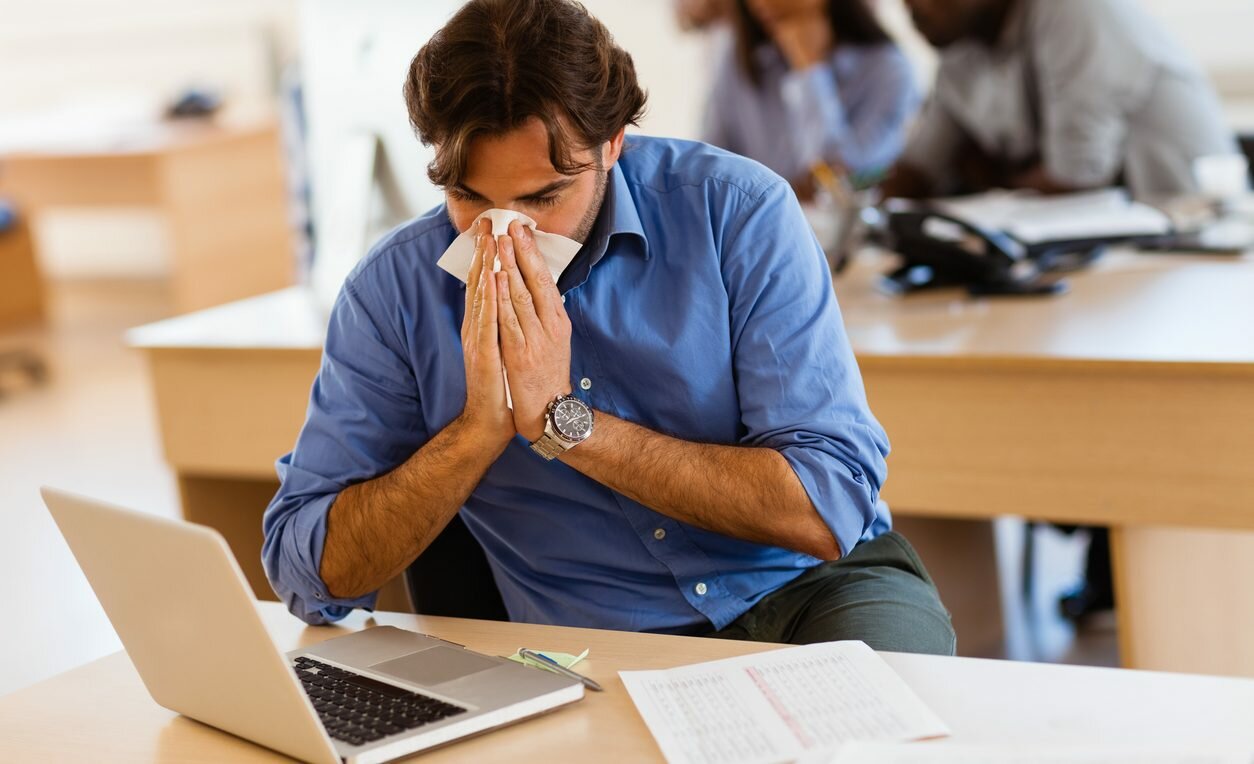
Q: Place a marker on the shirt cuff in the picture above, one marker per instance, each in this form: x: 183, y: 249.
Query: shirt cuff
x: 840, y: 494
x: 297, y: 579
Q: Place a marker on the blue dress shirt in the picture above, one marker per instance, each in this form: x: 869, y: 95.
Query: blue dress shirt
x: 701, y: 307
x: 852, y: 110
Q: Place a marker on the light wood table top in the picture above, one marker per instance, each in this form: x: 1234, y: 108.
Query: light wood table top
x: 289, y: 319
x: 101, y: 712
x: 1128, y: 307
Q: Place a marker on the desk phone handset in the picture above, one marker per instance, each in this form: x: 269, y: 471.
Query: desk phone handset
x: 941, y: 250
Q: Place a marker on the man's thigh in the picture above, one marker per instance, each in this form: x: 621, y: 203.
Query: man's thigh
x: 880, y: 593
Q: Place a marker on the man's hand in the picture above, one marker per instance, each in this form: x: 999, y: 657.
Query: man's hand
x: 486, y: 412
x: 534, y: 330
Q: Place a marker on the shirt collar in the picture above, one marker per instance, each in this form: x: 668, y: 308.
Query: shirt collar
x: 617, y: 217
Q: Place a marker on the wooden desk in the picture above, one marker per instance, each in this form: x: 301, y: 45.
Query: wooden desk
x: 231, y: 385
x: 1128, y: 402
x: 21, y: 290
x: 101, y: 712
x: 220, y: 189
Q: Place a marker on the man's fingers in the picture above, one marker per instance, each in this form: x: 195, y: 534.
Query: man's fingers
x: 487, y: 330
x: 535, y: 271
x: 476, y: 261
x: 521, y: 299
x: 512, y: 335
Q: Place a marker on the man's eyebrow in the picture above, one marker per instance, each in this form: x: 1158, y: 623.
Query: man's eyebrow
x: 467, y: 190
x: 556, y: 185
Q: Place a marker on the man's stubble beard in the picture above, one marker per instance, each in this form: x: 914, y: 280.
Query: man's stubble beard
x: 590, y: 215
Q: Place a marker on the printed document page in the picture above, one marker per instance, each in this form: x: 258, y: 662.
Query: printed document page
x: 925, y: 753
x: 778, y: 705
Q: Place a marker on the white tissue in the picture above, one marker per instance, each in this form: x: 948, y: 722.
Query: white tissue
x: 557, y: 251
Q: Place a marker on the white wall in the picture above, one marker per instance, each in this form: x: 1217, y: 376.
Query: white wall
x: 54, y: 51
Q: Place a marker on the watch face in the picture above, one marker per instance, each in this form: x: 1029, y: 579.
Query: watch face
x: 572, y: 419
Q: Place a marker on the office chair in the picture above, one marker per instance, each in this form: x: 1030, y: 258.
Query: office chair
x: 452, y: 578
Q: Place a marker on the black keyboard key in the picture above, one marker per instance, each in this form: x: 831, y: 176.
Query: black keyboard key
x: 368, y: 684
x: 360, y: 710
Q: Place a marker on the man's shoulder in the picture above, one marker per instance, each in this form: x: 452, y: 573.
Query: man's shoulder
x: 663, y: 166
x: 408, y: 248
x: 1069, y: 17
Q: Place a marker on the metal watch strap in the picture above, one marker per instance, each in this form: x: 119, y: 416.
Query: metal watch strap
x: 549, y: 447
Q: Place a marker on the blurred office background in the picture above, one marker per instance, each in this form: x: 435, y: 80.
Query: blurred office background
x: 294, y: 85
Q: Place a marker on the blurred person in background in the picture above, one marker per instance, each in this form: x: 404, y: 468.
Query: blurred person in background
x: 812, y: 83
x: 698, y: 15
x: 1057, y: 95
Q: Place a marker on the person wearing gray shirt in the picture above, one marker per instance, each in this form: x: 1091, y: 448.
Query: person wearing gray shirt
x: 1057, y: 95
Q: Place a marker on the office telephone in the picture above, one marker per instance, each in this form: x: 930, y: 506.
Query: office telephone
x: 941, y: 250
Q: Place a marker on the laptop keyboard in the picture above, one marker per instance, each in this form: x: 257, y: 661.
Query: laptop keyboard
x: 360, y: 710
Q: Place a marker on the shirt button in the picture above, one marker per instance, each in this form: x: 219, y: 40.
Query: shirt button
x: 701, y: 589
x: 659, y: 534
x: 585, y: 384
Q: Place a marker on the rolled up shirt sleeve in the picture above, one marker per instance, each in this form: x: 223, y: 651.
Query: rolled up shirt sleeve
x: 798, y: 383
x: 362, y: 421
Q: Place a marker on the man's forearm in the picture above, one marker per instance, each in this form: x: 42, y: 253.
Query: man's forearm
x: 375, y: 529
x: 747, y: 493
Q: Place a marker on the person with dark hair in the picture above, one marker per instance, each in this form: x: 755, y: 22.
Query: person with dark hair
x: 668, y: 435
x: 1057, y: 95
x: 812, y: 82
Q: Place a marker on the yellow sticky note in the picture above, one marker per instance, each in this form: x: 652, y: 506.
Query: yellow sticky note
x: 565, y: 660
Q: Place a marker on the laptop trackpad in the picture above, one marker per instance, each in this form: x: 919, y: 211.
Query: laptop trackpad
x: 435, y: 665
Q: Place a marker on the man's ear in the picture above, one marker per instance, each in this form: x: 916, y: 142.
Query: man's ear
x: 613, y: 148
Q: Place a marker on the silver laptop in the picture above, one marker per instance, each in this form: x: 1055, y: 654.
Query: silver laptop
x: 186, y: 615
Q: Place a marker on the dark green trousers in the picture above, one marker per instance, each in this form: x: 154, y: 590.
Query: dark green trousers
x: 879, y: 593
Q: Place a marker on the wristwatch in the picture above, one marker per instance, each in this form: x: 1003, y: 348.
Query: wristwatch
x: 567, y: 423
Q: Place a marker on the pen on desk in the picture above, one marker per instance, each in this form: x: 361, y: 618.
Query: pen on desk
x: 559, y: 668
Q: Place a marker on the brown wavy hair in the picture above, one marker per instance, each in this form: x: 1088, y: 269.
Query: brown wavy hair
x: 498, y: 63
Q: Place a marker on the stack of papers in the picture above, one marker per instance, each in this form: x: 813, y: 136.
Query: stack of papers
x: 779, y: 705
x: 1034, y: 218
